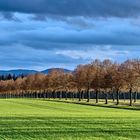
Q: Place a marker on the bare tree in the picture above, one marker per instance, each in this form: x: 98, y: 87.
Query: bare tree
x: 78, y: 78
x: 131, y: 77
x: 97, y: 77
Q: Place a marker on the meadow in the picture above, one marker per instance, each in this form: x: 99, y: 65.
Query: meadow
x: 38, y: 119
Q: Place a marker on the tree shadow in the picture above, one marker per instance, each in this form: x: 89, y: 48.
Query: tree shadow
x: 120, y: 106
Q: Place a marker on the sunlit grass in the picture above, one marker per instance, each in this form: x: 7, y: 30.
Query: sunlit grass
x: 27, y: 119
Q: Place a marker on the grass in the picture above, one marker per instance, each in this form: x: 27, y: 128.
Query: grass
x: 122, y: 104
x: 31, y: 119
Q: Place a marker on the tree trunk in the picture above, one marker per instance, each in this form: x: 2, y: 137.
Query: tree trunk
x: 53, y: 94
x: 79, y: 95
x: 56, y: 94
x: 97, y: 96
x: 66, y: 95
x: 117, y: 92
x: 82, y: 95
x: 47, y: 94
x: 88, y: 95
x: 72, y: 95
x: 106, y: 98
x: 130, y: 92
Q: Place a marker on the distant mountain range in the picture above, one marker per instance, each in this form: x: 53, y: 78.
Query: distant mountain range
x: 49, y: 70
x: 27, y: 72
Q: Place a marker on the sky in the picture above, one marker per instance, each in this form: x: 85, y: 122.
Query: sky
x: 41, y: 34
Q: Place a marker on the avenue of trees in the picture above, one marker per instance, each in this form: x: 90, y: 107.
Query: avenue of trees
x: 97, y: 80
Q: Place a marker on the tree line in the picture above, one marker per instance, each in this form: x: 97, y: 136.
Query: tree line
x: 99, y: 79
x: 10, y: 77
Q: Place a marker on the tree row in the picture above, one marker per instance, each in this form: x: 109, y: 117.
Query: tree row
x: 99, y: 79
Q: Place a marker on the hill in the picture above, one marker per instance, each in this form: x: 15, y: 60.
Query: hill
x: 17, y: 72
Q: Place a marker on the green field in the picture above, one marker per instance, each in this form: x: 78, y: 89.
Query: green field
x: 28, y: 119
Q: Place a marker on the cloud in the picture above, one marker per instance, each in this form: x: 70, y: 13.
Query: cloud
x: 95, y: 52
x: 25, y: 57
x: 55, y: 34
x: 38, y: 34
x: 70, y: 8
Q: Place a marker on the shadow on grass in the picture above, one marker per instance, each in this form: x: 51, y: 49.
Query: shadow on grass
x: 98, y: 105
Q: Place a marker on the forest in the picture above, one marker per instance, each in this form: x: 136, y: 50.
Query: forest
x: 98, y: 79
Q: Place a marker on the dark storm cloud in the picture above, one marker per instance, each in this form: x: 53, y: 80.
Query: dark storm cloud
x: 90, y: 8
x: 65, y: 33
x: 47, y: 39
